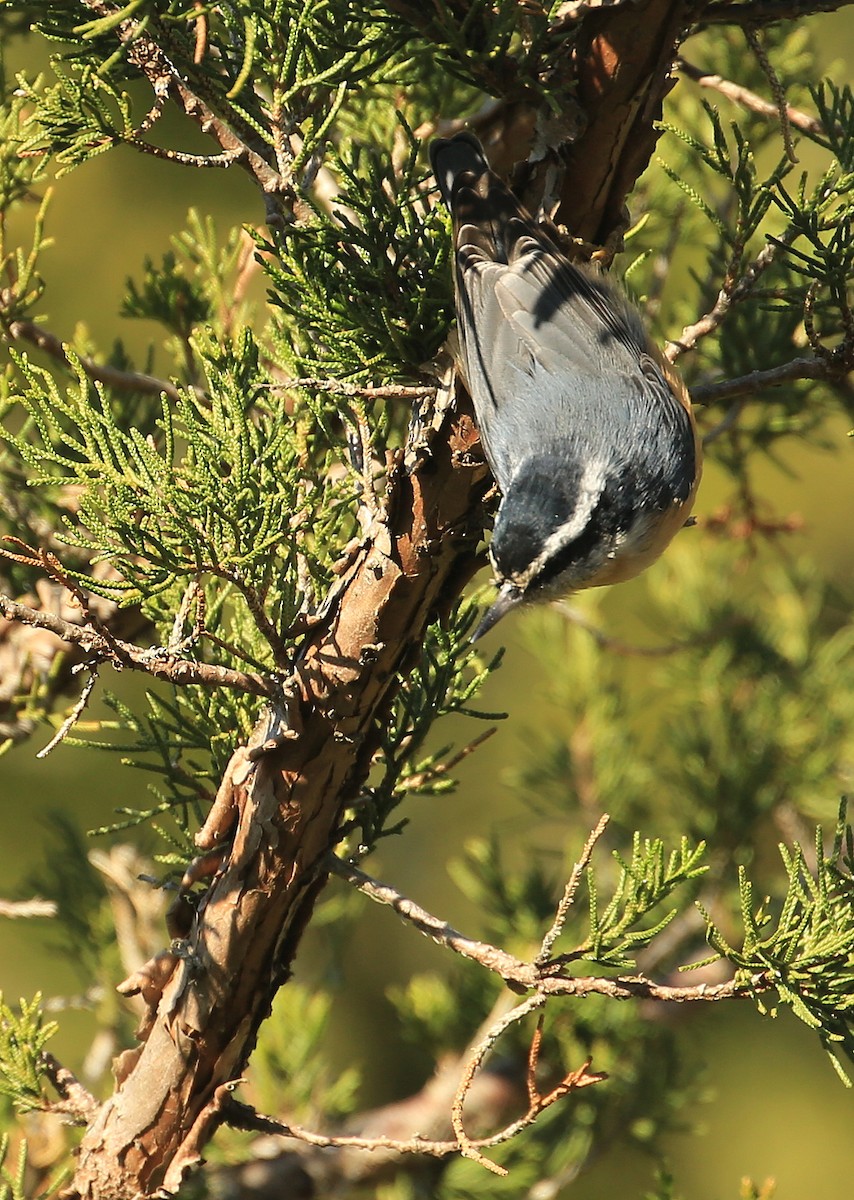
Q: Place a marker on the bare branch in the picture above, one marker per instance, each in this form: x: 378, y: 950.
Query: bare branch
x: 337, y: 387
x: 74, y: 716
x: 764, y: 12
x: 413, y: 782
x: 468, y: 1148
x: 144, y: 52
x: 499, y: 961
x: 759, y: 381
x: 731, y: 293
x: 156, y: 662
x: 23, y: 909
x: 547, y: 978
x: 183, y: 157
x: 76, y: 1100
x: 748, y: 99
x: 112, y: 377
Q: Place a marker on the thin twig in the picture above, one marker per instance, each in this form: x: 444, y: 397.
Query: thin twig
x: 764, y: 12
x: 74, y: 716
x: 183, y: 157
x: 569, y: 891
x: 748, y: 99
x: 337, y: 387
x: 16, y: 910
x: 76, y: 1100
x: 201, y: 24
x: 731, y: 293
x: 241, y: 1116
x: 548, y: 978
x: 496, y: 960
x: 413, y: 782
x: 145, y: 54
x: 543, y: 976
x: 755, y: 43
x: 469, y: 1148
x: 759, y: 381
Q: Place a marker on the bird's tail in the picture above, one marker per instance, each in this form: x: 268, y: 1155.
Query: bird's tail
x: 487, y: 217
x: 451, y: 157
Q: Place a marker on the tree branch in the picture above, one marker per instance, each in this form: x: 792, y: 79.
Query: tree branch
x: 204, y: 1012
x: 732, y: 292
x: 165, y: 79
x: 157, y: 662
x: 758, y: 381
x: 546, y: 977
x: 124, y: 381
x: 625, y: 59
x: 499, y: 961
x: 748, y: 99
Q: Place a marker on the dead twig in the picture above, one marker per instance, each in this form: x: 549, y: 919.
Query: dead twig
x: 74, y: 715
x: 569, y: 891
x: 748, y: 99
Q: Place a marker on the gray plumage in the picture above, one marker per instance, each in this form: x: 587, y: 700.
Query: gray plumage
x: 595, y: 456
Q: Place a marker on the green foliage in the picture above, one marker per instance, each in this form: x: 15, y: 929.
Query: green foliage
x: 22, y: 283
x: 379, y: 239
x: 80, y: 116
x: 645, y: 883
x: 736, y: 165
x: 808, y: 949
x: 736, y: 201
x: 215, y: 492
x: 445, y: 680
x: 821, y: 218
x: 746, y: 708
x: 23, y: 1036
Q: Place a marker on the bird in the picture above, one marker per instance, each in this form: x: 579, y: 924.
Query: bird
x: 586, y: 428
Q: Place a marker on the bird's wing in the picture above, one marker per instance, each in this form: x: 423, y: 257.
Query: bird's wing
x: 550, y: 350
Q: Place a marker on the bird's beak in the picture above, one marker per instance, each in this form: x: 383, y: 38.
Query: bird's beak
x: 508, y: 597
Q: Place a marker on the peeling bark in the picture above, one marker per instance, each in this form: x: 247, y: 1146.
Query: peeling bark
x: 624, y: 73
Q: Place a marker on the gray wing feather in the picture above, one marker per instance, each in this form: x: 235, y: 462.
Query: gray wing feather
x: 559, y: 354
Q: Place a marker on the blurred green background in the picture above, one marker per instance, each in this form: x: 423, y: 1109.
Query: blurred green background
x: 770, y: 1091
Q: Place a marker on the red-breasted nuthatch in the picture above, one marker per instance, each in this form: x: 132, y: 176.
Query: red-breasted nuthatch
x: 586, y: 428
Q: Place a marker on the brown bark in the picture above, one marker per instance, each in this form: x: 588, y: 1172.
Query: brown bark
x: 624, y: 72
